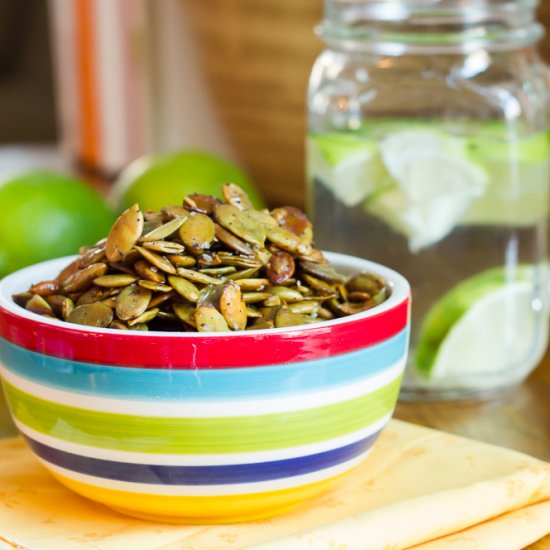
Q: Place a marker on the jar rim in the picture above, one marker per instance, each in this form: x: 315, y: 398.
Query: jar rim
x: 394, y: 27
x: 400, y: 10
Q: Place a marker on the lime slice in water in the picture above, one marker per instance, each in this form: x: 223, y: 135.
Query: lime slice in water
x: 435, y: 185
x: 481, y: 328
x: 350, y: 167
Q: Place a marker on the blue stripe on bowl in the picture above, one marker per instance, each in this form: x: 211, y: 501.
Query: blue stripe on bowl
x: 203, y: 384
x: 201, y: 475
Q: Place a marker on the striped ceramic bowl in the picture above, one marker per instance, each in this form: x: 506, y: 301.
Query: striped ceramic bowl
x: 199, y: 427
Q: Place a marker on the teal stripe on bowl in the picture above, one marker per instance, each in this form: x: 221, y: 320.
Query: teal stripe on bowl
x: 201, y: 435
x: 203, y: 384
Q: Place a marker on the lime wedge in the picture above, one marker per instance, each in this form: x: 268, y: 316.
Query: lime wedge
x: 435, y: 183
x: 349, y: 166
x: 483, y: 326
x: 517, y: 190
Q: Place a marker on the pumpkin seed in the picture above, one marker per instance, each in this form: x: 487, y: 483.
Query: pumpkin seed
x: 197, y: 202
x: 252, y: 313
x: 83, y: 279
x: 198, y: 277
x: 288, y: 241
x: 255, y: 297
x: 149, y: 272
x: 163, y: 263
x: 145, y: 317
x: 287, y: 318
x: 179, y: 260
x: 218, y: 270
x: 163, y: 231
x: 273, y: 301
x: 45, y: 288
x: 286, y: 294
x: 239, y: 223
x: 67, y: 272
x: 185, y: 312
x: 91, y: 256
x: 232, y: 241
x: 115, y: 281
x: 235, y: 196
x: 92, y: 315
x: 243, y: 274
x: 324, y: 272
x: 152, y: 216
x: 173, y: 211
x: 197, y: 232
x: 119, y: 325
x: 262, y: 326
x: 93, y: 294
x: 305, y: 306
x: 280, y: 268
x: 252, y: 284
x: 294, y: 220
x: 37, y: 304
x: 167, y: 247
x: 233, y: 307
x: 184, y: 287
x: 132, y: 301
x: 160, y: 298
x: 154, y: 287
x: 110, y: 301
x: 209, y: 319
x: 22, y: 298
x: 124, y: 234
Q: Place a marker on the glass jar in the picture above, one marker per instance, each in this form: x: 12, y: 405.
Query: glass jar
x: 428, y: 151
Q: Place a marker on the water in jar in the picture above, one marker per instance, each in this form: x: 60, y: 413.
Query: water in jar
x: 459, y: 209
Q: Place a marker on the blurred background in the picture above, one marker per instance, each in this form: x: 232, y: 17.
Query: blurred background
x: 110, y: 80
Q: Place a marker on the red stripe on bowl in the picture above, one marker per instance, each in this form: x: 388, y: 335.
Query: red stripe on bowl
x: 195, y: 350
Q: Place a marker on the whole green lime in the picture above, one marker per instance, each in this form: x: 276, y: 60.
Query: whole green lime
x: 157, y: 181
x: 47, y: 215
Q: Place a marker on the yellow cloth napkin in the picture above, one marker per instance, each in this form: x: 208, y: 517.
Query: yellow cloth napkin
x: 419, y: 487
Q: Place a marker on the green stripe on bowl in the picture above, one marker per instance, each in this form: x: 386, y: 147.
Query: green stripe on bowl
x: 229, y: 434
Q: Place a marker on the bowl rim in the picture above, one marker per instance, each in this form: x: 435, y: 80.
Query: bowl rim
x: 400, y: 291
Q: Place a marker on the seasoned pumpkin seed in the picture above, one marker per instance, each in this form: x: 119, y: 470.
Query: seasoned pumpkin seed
x: 132, y: 301
x: 166, y: 247
x: 209, y: 319
x: 163, y: 231
x: 45, y: 288
x: 233, y: 307
x: 155, y: 287
x: 234, y: 195
x: 37, y: 304
x: 92, y: 315
x: 115, y: 281
x: 197, y: 232
x: 124, y: 234
x: 149, y: 272
x: 240, y: 223
x: 184, y: 288
x: 83, y: 279
x: 145, y: 317
x: 163, y: 263
x: 198, y: 277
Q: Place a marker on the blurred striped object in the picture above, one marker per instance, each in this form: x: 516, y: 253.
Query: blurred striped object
x: 129, y: 83
x: 101, y: 75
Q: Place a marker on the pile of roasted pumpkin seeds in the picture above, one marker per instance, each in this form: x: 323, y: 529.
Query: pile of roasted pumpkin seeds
x: 209, y: 266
